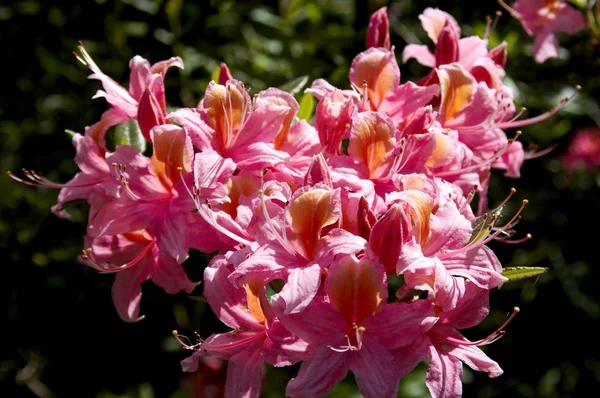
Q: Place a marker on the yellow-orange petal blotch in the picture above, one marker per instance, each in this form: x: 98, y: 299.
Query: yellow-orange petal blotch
x: 420, y: 206
x: 356, y: 288
x: 442, y: 150
x: 371, y: 139
x: 457, y: 88
x: 225, y: 108
x: 253, y: 289
x: 378, y: 69
x: 243, y: 184
x: 172, y: 152
x: 309, y: 213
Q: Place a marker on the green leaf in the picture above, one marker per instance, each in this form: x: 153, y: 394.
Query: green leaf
x: 345, y: 145
x: 136, y: 138
x: 581, y: 4
x: 215, y: 74
x: 76, y: 210
x: 126, y: 133
x: 201, y: 299
x: 482, y: 224
x: 294, y: 86
x: 518, y: 273
x: 307, y: 107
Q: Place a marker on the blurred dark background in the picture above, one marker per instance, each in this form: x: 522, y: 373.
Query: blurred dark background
x: 60, y: 334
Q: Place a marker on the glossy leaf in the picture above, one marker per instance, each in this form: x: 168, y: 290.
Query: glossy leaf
x: 127, y: 133
x: 294, y: 86
x: 518, y: 273
x: 482, y: 224
x: 307, y: 107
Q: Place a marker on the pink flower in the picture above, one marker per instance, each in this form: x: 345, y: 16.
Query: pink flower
x: 145, y: 99
x: 135, y: 257
x: 299, y: 238
x: 257, y: 335
x: 88, y: 184
x: 543, y: 18
x: 228, y: 122
x: 378, y: 33
x: 151, y: 192
x: 583, y: 150
x: 351, y: 327
x: 332, y: 120
x: 447, y: 349
x: 438, y: 252
x: 470, y: 52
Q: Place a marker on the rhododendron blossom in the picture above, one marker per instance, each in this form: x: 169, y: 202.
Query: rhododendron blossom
x: 584, y: 150
x: 312, y: 220
x: 542, y: 19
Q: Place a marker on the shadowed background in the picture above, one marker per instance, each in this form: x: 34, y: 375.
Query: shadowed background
x: 61, y: 335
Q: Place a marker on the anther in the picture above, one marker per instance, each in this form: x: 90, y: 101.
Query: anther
x: 185, y: 345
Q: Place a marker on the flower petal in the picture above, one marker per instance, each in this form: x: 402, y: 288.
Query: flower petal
x: 320, y: 372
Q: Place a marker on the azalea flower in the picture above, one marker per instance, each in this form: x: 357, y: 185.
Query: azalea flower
x: 583, y: 150
x: 351, y: 327
x: 542, y: 19
x: 257, y: 335
x: 447, y: 349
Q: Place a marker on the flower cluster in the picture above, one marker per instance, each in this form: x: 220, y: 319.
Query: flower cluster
x: 311, y: 217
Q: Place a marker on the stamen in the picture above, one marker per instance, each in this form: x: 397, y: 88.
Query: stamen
x: 539, y: 118
x: 358, y: 330
x: 205, y: 209
x: 495, y: 336
x: 474, y: 167
x: 499, y: 332
x: 124, y: 181
x: 534, y: 153
x: 515, y: 241
x: 185, y: 185
x: 518, y: 115
x: 511, y: 10
x: 491, y: 25
x: 469, y: 198
x: 281, y: 239
x: 188, y: 345
x: 493, y: 232
x: 347, y: 347
x: 86, y: 60
x: 488, y: 25
x: 513, y: 221
x: 510, y: 195
x: 39, y: 181
x: 88, y: 256
x: 365, y: 96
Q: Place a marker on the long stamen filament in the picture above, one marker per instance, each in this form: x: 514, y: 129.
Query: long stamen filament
x: 38, y: 181
x: 511, y: 10
x: 539, y: 118
x: 204, y: 209
x: 88, y: 256
x: 86, y: 60
x: 281, y: 239
x: 358, y: 330
x: 188, y: 345
x: 493, y: 232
